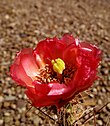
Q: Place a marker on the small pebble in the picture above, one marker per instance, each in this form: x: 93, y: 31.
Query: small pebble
x: 6, y: 104
x: 8, y: 120
x: 99, y: 102
x: 13, y: 106
x: 103, y: 90
x: 100, y: 123
x: 10, y: 98
x: 17, y: 123
x: 108, y: 107
x: 7, y: 114
x: 1, y: 121
x: 1, y: 99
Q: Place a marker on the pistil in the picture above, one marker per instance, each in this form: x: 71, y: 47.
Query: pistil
x: 58, y: 65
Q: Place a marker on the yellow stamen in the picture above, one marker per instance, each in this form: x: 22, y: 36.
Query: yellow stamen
x: 58, y: 65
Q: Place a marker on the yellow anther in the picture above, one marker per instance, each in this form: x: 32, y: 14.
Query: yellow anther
x: 58, y: 65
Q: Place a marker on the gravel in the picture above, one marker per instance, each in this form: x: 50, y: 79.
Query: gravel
x: 24, y: 23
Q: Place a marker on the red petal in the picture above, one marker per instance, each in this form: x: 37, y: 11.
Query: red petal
x: 41, y: 89
x: 70, y: 54
x: 50, y: 49
x: 68, y: 39
x: 31, y: 93
x: 24, y: 67
x: 94, y: 51
x: 39, y: 101
x: 29, y: 64
x: 18, y: 74
x: 51, y: 88
x: 17, y: 71
x: 46, y: 94
x: 71, y: 51
x: 88, y: 57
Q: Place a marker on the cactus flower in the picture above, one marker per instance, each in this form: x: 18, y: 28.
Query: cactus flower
x: 56, y: 70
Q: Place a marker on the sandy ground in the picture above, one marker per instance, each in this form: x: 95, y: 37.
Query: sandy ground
x: 24, y: 22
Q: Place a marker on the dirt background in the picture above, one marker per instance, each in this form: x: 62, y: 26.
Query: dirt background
x: 24, y: 22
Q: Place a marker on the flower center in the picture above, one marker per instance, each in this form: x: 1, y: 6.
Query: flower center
x: 59, y: 73
x: 58, y: 65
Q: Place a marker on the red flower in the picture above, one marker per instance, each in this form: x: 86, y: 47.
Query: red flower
x: 34, y: 69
